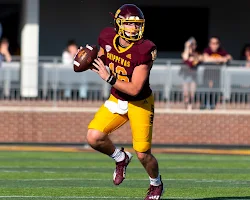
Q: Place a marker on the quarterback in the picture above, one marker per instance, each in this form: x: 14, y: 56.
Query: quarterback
x: 124, y: 60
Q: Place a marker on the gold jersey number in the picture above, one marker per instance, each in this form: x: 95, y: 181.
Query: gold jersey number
x: 121, y: 73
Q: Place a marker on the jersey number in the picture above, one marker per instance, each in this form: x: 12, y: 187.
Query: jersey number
x: 121, y: 73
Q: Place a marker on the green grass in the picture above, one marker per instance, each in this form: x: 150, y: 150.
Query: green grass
x: 57, y: 175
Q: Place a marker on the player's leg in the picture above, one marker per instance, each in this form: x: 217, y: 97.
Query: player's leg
x: 100, y: 141
x: 141, y: 116
x: 150, y: 164
x: 100, y: 127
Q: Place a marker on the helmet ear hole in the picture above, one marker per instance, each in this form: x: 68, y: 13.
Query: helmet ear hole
x: 118, y: 21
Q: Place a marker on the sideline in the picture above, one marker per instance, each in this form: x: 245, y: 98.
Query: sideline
x: 94, y: 109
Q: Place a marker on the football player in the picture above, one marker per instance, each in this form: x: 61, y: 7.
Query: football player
x: 129, y: 58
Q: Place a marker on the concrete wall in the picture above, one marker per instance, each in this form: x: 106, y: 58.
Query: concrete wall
x: 83, y: 20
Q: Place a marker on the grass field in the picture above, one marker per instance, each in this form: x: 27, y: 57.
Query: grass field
x: 60, y: 175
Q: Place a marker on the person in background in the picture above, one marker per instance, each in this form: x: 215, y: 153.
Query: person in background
x: 68, y: 58
x: 192, y: 58
x: 246, y: 55
x: 215, y: 55
x: 69, y: 53
x: 4, y: 50
x: 5, y: 56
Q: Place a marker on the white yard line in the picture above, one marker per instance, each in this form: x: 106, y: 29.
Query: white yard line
x: 71, y: 197
x: 97, y: 179
x: 104, y: 167
x: 207, y: 159
x: 89, y: 197
x: 25, y: 171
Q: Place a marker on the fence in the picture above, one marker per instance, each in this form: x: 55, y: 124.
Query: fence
x: 60, y: 86
x: 224, y: 86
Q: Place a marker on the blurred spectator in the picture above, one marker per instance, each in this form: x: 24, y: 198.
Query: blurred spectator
x: 69, y: 53
x: 5, y: 56
x: 192, y: 58
x: 4, y: 51
x: 68, y: 58
x: 214, y: 53
x: 246, y: 55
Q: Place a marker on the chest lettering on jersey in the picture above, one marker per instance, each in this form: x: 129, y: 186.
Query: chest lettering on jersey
x: 119, y: 60
x: 119, y: 71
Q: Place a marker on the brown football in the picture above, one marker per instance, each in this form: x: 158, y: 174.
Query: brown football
x: 84, y: 58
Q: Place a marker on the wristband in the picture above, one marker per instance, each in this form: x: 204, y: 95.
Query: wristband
x: 111, y: 80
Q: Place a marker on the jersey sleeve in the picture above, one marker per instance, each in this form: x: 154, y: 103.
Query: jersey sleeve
x: 105, y: 36
x: 101, y: 38
x: 148, y: 52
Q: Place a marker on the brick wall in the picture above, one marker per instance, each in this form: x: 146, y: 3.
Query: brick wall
x: 182, y: 127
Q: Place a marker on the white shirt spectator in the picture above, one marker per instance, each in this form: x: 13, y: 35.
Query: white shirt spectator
x: 69, y: 53
x: 67, y: 58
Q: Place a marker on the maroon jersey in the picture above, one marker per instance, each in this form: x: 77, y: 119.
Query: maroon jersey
x: 193, y: 60
x: 219, y: 53
x: 122, y: 61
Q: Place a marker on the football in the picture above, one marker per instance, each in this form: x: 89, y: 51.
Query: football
x: 84, y: 58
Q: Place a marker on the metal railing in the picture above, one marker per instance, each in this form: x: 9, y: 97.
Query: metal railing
x: 220, y: 86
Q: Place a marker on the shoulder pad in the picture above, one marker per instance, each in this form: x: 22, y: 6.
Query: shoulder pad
x: 107, y: 34
x: 148, y: 51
